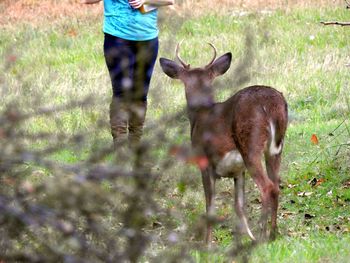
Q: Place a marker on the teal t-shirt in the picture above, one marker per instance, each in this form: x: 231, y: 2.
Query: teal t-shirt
x: 121, y: 20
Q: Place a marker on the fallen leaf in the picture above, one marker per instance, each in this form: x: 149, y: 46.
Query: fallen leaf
x: 221, y: 218
x: 320, y: 181
x: 72, y: 32
x: 316, y: 182
x: 286, y: 214
x: 314, y: 139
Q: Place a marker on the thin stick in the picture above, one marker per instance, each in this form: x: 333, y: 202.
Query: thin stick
x: 327, y: 23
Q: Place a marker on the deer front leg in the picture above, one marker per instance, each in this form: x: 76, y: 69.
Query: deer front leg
x: 208, y: 180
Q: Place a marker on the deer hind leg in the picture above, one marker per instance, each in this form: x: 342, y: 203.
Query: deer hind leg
x: 239, y: 205
x: 268, y: 190
x: 273, y: 166
x: 208, y: 179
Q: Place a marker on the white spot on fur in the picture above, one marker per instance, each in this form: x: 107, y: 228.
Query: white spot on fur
x: 232, y: 162
x: 274, y: 148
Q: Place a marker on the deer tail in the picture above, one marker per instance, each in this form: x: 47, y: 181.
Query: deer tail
x: 275, y: 147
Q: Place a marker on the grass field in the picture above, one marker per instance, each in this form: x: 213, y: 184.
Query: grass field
x: 287, y: 49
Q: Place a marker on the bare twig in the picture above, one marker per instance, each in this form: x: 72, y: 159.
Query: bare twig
x: 327, y: 23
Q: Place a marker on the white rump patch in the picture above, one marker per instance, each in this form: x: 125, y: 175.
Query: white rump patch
x: 232, y: 162
x: 274, y: 148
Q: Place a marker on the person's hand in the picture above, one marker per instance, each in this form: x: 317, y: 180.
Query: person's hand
x: 136, y: 3
x: 89, y: 1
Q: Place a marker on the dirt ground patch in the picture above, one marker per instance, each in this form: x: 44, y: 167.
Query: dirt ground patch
x: 35, y: 11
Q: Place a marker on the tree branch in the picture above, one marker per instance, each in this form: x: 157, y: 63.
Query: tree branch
x: 327, y: 23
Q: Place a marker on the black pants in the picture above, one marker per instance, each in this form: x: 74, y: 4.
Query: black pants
x: 130, y: 65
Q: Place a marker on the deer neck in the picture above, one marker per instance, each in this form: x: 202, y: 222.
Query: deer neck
x: 200, y: 116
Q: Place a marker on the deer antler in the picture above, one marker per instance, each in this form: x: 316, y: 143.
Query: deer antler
x: 213, y: 59
x: 183, y: 63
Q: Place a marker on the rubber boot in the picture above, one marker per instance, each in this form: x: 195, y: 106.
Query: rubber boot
x: 137, y: 118
x: 119, y: 121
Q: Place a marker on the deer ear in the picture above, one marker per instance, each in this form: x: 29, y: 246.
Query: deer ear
x: 222, y: 64
x: 171, y: 68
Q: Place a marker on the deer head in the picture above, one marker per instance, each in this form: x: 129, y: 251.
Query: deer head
x: 197, y: 81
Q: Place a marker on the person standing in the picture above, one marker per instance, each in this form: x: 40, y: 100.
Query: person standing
x: 130, y: 50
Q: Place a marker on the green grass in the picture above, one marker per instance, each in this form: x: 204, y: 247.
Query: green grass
x: 314, y: 248
x: 290, y: 51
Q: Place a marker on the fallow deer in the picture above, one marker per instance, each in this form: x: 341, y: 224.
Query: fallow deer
x: 234, y: 136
